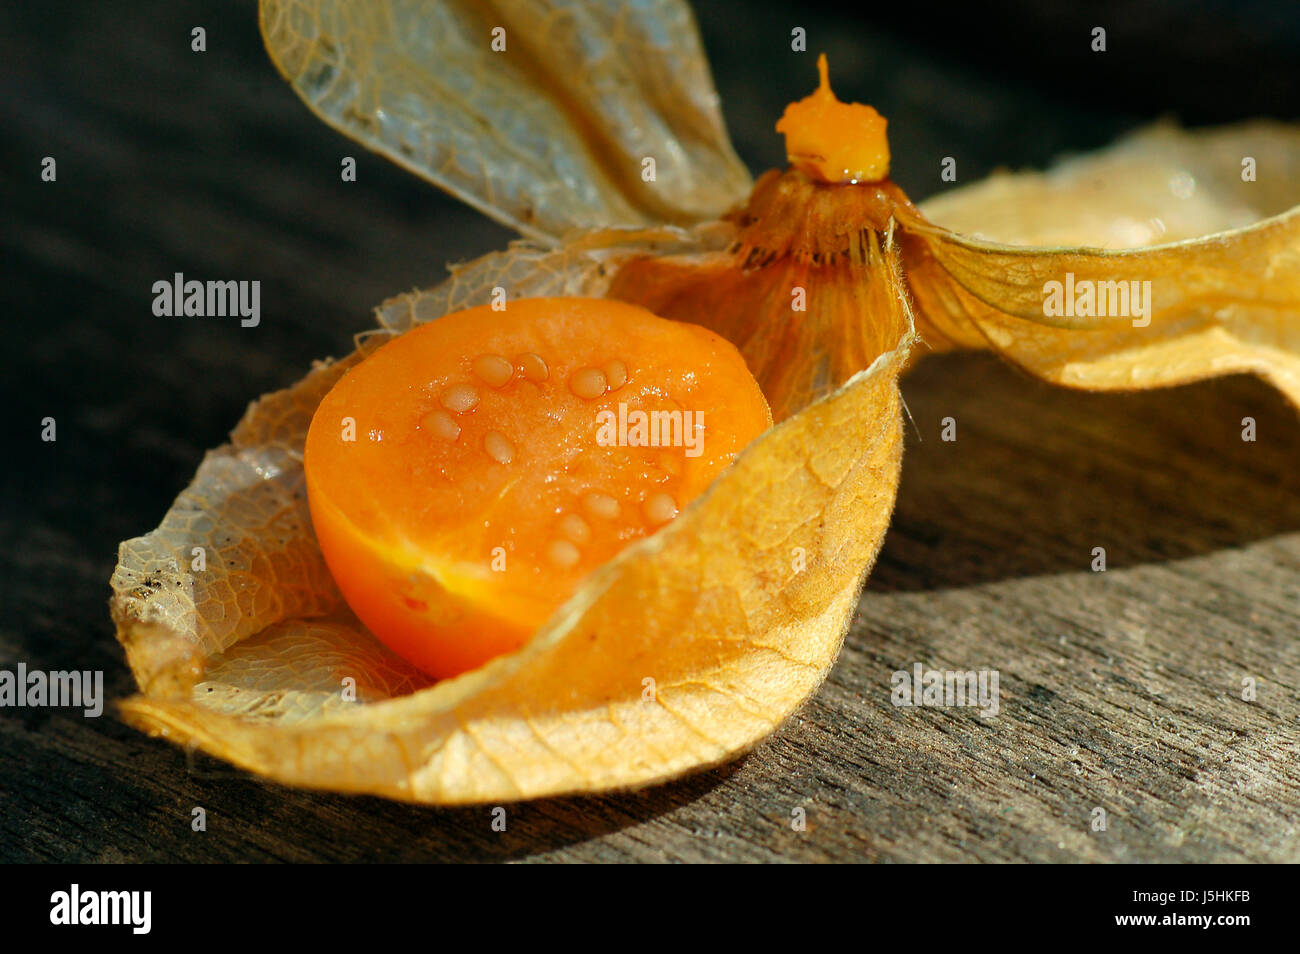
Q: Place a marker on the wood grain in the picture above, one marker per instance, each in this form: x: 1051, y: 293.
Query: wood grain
x: 1120, y: 690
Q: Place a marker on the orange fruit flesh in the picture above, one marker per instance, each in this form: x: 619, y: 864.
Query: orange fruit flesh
x: 835, y: 141
x: 469, y: 474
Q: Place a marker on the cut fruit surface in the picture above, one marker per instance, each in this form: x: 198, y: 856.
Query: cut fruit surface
x: 465, y: 477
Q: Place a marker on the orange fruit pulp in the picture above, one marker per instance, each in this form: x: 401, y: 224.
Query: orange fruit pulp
x: 467, y: 476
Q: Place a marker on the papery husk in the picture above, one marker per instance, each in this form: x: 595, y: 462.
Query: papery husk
x: 1165, y: 206
x: 547, y: 135
x: 694, y: 644
x: 683, y: 652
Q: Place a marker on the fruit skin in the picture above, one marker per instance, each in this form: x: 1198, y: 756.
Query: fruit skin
x: 454, y: 543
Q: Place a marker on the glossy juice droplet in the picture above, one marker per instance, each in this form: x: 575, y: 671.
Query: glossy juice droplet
x: 835, y: 141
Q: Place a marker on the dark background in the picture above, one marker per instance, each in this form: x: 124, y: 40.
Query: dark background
x: 170, y: 160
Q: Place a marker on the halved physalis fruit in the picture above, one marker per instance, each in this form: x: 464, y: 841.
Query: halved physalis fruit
x: 465, y: 477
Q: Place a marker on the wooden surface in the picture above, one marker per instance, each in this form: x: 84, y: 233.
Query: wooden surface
x: 1120, y: 690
